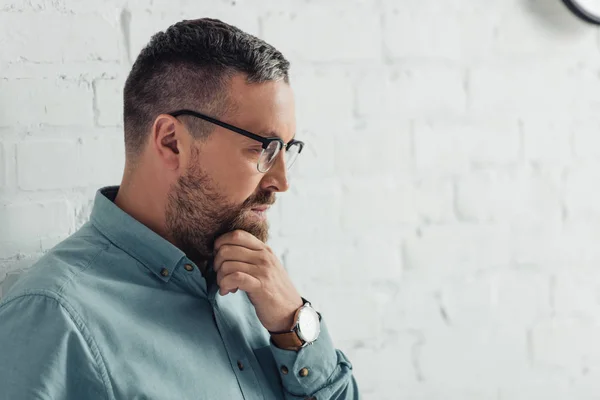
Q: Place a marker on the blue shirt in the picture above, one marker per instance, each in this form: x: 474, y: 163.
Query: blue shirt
x: 117, y: 312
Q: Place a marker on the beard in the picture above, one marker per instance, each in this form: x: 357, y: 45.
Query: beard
x: 197, y: 213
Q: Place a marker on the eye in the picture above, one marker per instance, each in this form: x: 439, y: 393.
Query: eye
x: 256, y: 150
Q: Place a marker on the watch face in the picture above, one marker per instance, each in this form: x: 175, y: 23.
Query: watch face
x: 309, y: 325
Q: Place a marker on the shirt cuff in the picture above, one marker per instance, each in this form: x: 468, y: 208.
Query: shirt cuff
x: 306, y: 371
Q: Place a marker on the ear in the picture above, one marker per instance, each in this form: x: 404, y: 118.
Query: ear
x: 168, y: 140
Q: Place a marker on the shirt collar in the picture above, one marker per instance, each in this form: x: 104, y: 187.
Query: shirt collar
x: 140, y: 242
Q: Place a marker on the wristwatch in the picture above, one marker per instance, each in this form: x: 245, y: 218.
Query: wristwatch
x: 304, y: 331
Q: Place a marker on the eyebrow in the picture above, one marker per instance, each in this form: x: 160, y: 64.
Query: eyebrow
x: 270, y: 134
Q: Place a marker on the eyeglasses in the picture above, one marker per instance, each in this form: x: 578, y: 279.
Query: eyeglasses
x: 270, y: 146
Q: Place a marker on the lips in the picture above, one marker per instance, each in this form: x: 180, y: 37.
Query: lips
x: 260, y: 208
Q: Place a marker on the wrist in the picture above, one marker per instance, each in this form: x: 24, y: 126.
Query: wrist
x: 303, y: 331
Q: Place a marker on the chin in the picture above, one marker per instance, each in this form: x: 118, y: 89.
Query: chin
x: 261, y: 230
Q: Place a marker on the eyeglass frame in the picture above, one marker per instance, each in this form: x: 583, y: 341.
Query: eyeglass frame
x: 265, y: 141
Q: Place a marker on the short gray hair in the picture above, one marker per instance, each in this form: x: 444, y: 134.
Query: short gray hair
x: 188, y: 66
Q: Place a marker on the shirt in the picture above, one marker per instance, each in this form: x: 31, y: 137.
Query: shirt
x: 115, y: 311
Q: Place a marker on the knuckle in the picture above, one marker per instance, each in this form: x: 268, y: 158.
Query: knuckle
x: 237, y: 235
x: 238, y: 276
x: 225, y: 251
x: 263, y: 257
x: 224, y: 268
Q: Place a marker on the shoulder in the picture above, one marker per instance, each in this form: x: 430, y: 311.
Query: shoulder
x: 52, y: 273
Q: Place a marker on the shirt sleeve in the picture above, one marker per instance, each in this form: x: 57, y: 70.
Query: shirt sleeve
x: 44, y: 354
x: 317, y: 371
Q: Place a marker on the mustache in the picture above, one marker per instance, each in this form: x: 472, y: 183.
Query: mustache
x: 260, y: 199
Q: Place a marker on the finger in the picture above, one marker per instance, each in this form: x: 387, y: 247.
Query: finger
x: 229, y: 267
x: 230, y: 252
x: 239, y: 238
x: 239, y: 280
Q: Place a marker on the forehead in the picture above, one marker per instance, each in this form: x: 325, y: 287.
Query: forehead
x: 264, y: 108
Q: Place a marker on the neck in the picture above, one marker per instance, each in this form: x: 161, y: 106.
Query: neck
x: 138, y: 197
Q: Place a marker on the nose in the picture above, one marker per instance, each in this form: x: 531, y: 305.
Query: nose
x: 275, y: 179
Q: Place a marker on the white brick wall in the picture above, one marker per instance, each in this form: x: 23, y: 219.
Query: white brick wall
x: 452, y: 164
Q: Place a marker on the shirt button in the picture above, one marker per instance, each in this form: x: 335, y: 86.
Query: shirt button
x: 304, y: 372
x: 188, y: 267
x: 240, y: 365
x: 164, y: 272
x: 284, y: 370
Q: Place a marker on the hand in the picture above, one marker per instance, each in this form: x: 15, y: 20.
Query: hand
x: 244, y: 262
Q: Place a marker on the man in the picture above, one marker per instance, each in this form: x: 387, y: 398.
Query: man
x: 169, y: 291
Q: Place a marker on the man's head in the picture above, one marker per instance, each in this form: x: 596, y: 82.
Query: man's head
x: 204, y: 176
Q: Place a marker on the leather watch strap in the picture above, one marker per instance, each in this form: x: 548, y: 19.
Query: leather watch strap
x: 287, y: 341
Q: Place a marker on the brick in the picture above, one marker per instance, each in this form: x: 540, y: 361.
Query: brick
x: 522, y: 89
x: 394, y: 360
x: 547, y: 384
x: 311, y: 208
x: 45, y: 101
x: 547, y: 141
x: 458, y: 248
x: 497, y: 298
x: 325, y: 97
x: 81, y: 37
x: 344, y: 302
x: 342, y: 33
x: 437, y: 33
x: 377, y: 203
x: 416, y: 304
x: 74, y: 71
x: 518, y: 20
x: 425, y: 90
x: 582, y: 197
x: 102, y: 159
x: 8, y: 165
x: 380, y: 254
x: 434, y: 6
x: 586, y: 141
x: 521, y: 197
x: 317, y: 160
x: 321, y: 264
x: 454, y: 146
x: 576, y: 293
x: 48, y: 164
x: 3, y: 166
x: 570, y: 245
x: 372, y: 203
x: 383, y: 143
x: 566, y: 343
x: 58, y: 6
x: 108, y: 102
x: 434, y: 200
x: 26, y: 222
x: 91, y: 160
x: 476, y: 359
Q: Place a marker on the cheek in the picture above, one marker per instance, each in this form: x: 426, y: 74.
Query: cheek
x: 236, y: 181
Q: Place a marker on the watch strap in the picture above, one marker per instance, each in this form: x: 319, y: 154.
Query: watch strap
x: 287, y: 341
